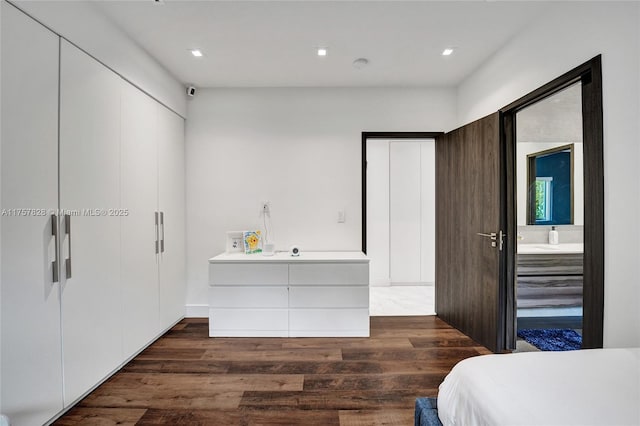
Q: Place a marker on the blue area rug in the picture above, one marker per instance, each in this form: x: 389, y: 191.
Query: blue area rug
x: 552, y: 339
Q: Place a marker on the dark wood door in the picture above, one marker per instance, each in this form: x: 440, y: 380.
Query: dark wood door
x: 468, y: 203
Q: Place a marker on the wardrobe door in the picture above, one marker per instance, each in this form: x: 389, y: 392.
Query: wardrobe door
x: 31, y: 372
x: 404, y: 212
x: 90, y: 191
x: 428, y: 211
x: 378, y: 210
x: 139, y: 186
x: 171, y: 205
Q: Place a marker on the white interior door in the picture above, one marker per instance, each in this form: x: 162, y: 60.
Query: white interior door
x: 139, y: 186
x: 378, y: 210
x: 90, y: 179
x: 171, y: 186
x: 31, y: 373
x: 428, y: 211
x: 404, y: 212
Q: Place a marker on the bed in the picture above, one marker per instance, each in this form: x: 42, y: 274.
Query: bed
x: 586, y: 387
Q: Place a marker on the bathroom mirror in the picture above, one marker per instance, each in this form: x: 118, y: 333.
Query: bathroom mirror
x: 549, y: 161
x: 550, y: 186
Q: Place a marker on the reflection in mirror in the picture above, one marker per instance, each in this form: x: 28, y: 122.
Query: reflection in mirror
x: 550, y: 186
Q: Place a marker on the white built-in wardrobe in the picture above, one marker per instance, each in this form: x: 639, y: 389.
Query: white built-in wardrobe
x: 401, y: 211
x: 92, y: 258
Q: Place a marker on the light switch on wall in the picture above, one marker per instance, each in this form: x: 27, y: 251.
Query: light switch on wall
x: 341, y: 216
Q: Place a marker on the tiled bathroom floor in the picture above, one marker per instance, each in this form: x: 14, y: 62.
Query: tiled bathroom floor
x: 402, y: 300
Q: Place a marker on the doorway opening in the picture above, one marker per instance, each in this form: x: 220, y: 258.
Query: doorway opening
x: 555, y: 207
x: 399, y: 221
x: 550, y: 219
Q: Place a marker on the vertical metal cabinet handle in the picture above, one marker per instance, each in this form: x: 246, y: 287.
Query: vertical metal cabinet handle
x: 67, y: 230
x: 157, y: 234
x: 54, y: 232
x: 162, y: 225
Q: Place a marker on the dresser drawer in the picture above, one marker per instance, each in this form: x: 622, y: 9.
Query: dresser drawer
x: 248, y: 274
x: 248, y: 319
x: 329, y: 274
x: 248, y: 297
x: 328, y: 319
x: 329, y: 297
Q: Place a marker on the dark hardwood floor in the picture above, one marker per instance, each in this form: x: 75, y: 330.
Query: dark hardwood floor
x: 187, y: 378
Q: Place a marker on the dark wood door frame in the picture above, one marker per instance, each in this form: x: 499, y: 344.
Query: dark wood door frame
x: 383, y: 136
x: 590, y: 75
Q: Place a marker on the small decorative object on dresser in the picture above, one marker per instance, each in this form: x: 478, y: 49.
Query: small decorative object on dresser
x: 268, y: 249
x: 234, y: 242
x: 252, y: 242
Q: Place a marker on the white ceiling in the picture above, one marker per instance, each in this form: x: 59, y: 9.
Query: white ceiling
x: 273, y: 43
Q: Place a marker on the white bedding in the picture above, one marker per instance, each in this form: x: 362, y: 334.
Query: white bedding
x: 586, y: 387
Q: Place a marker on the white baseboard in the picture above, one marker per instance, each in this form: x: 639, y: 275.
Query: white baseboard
x: 412, y: 284
x: 379, y: 283
x: 197, y: 311
x: 387, y: 283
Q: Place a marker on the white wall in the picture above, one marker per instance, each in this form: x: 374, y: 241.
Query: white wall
x: 83, y: 24
x: 299, y: 149
x: 545, y: 50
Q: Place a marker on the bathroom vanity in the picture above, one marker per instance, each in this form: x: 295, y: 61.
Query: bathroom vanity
x: 550, y: 275
x: 316, y: 294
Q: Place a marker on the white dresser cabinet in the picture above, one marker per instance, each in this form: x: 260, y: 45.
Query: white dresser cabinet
x: 318, y: 294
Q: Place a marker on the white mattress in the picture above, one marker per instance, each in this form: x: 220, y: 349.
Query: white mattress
x: 586, y: 387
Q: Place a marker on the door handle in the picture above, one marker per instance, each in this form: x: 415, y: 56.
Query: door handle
x: 157, y: 233
x: 162, y: 226
x: 491, y: 235
x: 54, y: 232
x: 494, y: 238
x: 67, y: 231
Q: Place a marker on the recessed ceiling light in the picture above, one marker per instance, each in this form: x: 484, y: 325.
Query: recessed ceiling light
x: 448, y: 51
x: 196, y: 52
x: 322, y: 51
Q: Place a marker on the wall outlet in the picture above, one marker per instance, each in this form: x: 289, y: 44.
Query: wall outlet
x: 341, y: 216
